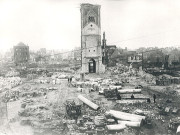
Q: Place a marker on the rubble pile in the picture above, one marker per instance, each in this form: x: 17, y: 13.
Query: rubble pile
x: 136, y: 105
x: 10, y: 96
x: 149, y: 78
x: 25, y: 92
x: 31, y: 76
x: 26, y: 87
x: 97, y: 105
x: 43, y: 80
x: 12, y: 74
x: 101, y: 121
x: 10, y: 82
x: 41, y: 116
x: 60, y: 75
x: 166, y: 80
x: 32, y: 93
x: 46, y: 80
x: 119, y: 69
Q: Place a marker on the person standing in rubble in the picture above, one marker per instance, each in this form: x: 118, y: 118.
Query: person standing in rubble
x: 70, y: 79
x: 117, y: 94
x: 148, y: 100
x: 45, y: 96
x: 154, y: 97
x: 132, y: 96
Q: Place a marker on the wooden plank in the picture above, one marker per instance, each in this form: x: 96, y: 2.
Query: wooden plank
x: 124, y: 91
x: 131, y: 101
x: 136, y: 96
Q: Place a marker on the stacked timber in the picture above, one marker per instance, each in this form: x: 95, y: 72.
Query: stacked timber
x: 88, y: 102
x: 136, y: 96
x: 110, y: 121
x: 124, y: 120
x: 178, y: 130
x: 130, y: 123
x: 108, y: 93
x: 130, y: 101
x: 115, y: 87
x: 126, y: 116
x: 128, y: 91
x: 117, y: 127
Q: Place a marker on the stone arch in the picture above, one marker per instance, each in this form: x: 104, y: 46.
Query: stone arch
x: 92, y: 66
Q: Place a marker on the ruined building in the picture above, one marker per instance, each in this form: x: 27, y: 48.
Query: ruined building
x: 91, y: 56
x: 21, y: 53
x: 107, y: 51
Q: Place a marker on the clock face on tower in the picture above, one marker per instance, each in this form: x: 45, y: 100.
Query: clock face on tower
x: 91, y: 28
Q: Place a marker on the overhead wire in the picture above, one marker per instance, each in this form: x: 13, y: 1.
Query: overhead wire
x: 144, y: 36
x: 110, y: 43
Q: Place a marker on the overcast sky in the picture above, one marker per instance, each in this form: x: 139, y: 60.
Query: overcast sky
x: 55, y: 24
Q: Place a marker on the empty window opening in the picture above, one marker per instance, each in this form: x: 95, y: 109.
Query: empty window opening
x: 91, y: 19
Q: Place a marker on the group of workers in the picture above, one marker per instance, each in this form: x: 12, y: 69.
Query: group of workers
x: 154, y: 98
x: 69, y: 79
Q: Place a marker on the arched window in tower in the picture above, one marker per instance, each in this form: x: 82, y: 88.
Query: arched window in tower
x: 91, y: 19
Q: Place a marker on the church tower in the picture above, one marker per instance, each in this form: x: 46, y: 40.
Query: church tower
x: 91, y: 57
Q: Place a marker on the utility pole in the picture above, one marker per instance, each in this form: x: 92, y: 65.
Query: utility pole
x: 174, y: 61
x: 142, y: 60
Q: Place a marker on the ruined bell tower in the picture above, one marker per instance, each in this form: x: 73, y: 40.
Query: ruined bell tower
x: 91, y: 57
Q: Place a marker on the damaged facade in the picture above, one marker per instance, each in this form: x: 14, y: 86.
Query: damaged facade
x: 21, y: 53
x: 108, y: 50
x: 91, y: 60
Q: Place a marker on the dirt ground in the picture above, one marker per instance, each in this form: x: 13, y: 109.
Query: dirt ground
x: 55, y: 105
